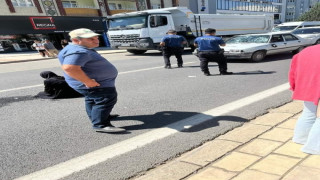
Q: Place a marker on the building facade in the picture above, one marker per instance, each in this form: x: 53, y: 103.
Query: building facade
x: 295, y: 8
x: 274, y: 7
x: 23, y: 21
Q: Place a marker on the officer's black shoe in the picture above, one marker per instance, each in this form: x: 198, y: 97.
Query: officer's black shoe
x: 207, y: 73
x: 226, y: 73
x: 167, y: 66
x: 180, y: 66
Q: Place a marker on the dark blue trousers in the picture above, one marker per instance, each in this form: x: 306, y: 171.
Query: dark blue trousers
x: 99, y: 104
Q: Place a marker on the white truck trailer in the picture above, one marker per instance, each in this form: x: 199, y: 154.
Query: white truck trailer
x: 142, y: 30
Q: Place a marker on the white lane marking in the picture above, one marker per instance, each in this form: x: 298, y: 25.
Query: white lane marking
x: 19, y: 88
x: 126, y: 72
x: 86, y: 161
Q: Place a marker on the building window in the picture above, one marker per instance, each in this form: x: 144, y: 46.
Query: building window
x: 69, y: 4
x: 155, y: 6
x: 112, y: 6
x: 24, y: 3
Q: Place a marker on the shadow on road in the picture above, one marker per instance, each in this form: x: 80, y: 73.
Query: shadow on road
x: 161, y: 119
x: 253, y: 72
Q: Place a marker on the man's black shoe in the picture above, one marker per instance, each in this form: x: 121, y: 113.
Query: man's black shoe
x: 207, y: 73
x: 226, y: 73
x: 167, y: 66
x: 180, y: 66
x: 113, y: 116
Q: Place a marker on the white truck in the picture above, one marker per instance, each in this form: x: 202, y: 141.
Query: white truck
x: 142, y: 30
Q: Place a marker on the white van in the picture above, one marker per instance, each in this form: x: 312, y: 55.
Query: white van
x: 290, y: 26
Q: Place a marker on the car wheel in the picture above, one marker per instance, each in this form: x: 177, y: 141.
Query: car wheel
x: 134, y: 51
x: 258, y: 56
x: 317, y: 42
x: 298, y: 50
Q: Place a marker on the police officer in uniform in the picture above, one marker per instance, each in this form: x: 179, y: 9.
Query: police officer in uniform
x: 172, y: 45
x: 210, y: 51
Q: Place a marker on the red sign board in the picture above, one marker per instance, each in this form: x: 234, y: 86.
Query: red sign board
x: 42, y: 23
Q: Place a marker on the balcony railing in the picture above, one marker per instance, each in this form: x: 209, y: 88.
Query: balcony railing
x: 86, y: 7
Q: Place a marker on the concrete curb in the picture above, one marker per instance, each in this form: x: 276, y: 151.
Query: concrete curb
x: 259, y: 149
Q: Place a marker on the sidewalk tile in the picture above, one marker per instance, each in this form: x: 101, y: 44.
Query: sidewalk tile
x: 245, y: 133
x: 271, y: 119
x: 213, y: 174
x: 236, y: 161
x: 275, y: 164
x: 255, y: 175
x: 303, y: 173
x: 312, y: 161
x: 278, y: 134
x: 289, y: 124
x: 260, y: 147
x: 293, y: 107
x: 171, y: 171
x: 209, y: 152
x: 291, y: 149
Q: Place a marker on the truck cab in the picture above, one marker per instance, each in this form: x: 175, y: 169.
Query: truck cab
x: 138, y: 32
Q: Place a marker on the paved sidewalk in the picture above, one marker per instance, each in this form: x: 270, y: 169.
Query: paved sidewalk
x: 34, y: 55
x: 261, y: 149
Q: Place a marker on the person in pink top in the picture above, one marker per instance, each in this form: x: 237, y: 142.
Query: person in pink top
x: 304, y: 79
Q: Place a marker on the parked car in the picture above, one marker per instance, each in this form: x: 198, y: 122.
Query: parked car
x: 310, y: 33
x: 290, y: 26
x: 256, y: 46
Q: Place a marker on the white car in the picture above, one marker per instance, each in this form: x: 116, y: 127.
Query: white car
x: 256, y: 46
x: 310, y: 33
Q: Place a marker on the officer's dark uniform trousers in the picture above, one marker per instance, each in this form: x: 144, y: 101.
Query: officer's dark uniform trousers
x: 212, y: 56
x: 169, y: 51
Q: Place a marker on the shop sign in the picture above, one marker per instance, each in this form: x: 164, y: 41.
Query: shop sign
x: 42, y: 23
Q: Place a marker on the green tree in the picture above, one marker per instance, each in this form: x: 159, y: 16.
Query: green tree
x: 312, y: 15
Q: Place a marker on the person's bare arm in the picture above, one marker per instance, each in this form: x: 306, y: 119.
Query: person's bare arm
x: 162, y: 44
x: 77, y: 73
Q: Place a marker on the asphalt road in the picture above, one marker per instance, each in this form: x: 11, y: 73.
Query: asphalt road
x: 40, y: 133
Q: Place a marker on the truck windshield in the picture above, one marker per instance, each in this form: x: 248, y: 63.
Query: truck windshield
x: 133, y: 22
x: 283, y: 28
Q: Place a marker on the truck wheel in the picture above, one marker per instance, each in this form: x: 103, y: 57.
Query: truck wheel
x: 134, y: 51
x: 258, y: 56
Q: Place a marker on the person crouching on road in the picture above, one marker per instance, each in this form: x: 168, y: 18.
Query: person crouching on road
x: 172, y: 44
x: 210, y: 51
x: 92, y: 75
x: 304, y: 79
